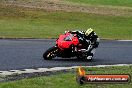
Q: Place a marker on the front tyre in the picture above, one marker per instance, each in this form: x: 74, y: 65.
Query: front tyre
x: 50, y: 53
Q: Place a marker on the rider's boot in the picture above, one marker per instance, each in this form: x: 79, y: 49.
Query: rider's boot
x: 90, y: 55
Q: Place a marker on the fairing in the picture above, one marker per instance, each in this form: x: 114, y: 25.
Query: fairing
x: 66, y: 40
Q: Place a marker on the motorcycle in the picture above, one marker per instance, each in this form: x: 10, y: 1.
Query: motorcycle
x: 68, y: 45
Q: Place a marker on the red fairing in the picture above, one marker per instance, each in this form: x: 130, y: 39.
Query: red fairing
x: 66, y: 40
x: 75, y: 41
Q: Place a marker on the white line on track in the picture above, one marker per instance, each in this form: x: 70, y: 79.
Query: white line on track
x: 40, y: 70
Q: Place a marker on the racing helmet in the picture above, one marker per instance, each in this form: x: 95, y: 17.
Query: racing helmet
x: 89, y: 32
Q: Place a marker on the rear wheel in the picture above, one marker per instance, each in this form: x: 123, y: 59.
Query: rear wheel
x: 50, y: 53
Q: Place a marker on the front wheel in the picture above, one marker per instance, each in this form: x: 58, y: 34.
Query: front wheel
x: 50, y: 53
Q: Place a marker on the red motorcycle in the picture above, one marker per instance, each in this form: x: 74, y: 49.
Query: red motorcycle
x: 67, y: 45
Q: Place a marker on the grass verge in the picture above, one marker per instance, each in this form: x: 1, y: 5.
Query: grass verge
x: 125, y: 3
x: 68, y: 80
x: 18, y: 22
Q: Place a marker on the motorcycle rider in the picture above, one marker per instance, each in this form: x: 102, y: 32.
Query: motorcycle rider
x: 90, y: 39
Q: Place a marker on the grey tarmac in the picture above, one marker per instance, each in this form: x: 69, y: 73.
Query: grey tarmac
x: 18, y: 54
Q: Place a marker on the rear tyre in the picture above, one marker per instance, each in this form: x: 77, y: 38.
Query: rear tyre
x: 50, y: 53
x: 80, y: 58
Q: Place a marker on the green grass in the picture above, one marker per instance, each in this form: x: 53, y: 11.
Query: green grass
x: 68, y: 80
x: 29, y: 23
x: 126, y: 3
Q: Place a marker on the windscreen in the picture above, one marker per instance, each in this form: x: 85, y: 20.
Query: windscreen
x: 68, y: 37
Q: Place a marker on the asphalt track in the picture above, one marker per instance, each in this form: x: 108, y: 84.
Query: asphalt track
x: 26, y: 54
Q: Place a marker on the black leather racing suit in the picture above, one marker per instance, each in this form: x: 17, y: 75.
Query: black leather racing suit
x: 93, y: 38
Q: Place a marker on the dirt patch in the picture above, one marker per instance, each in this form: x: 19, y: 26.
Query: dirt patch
x: 59, y: 5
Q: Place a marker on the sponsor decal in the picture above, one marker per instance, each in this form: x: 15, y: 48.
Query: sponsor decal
x: 82, y: 77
